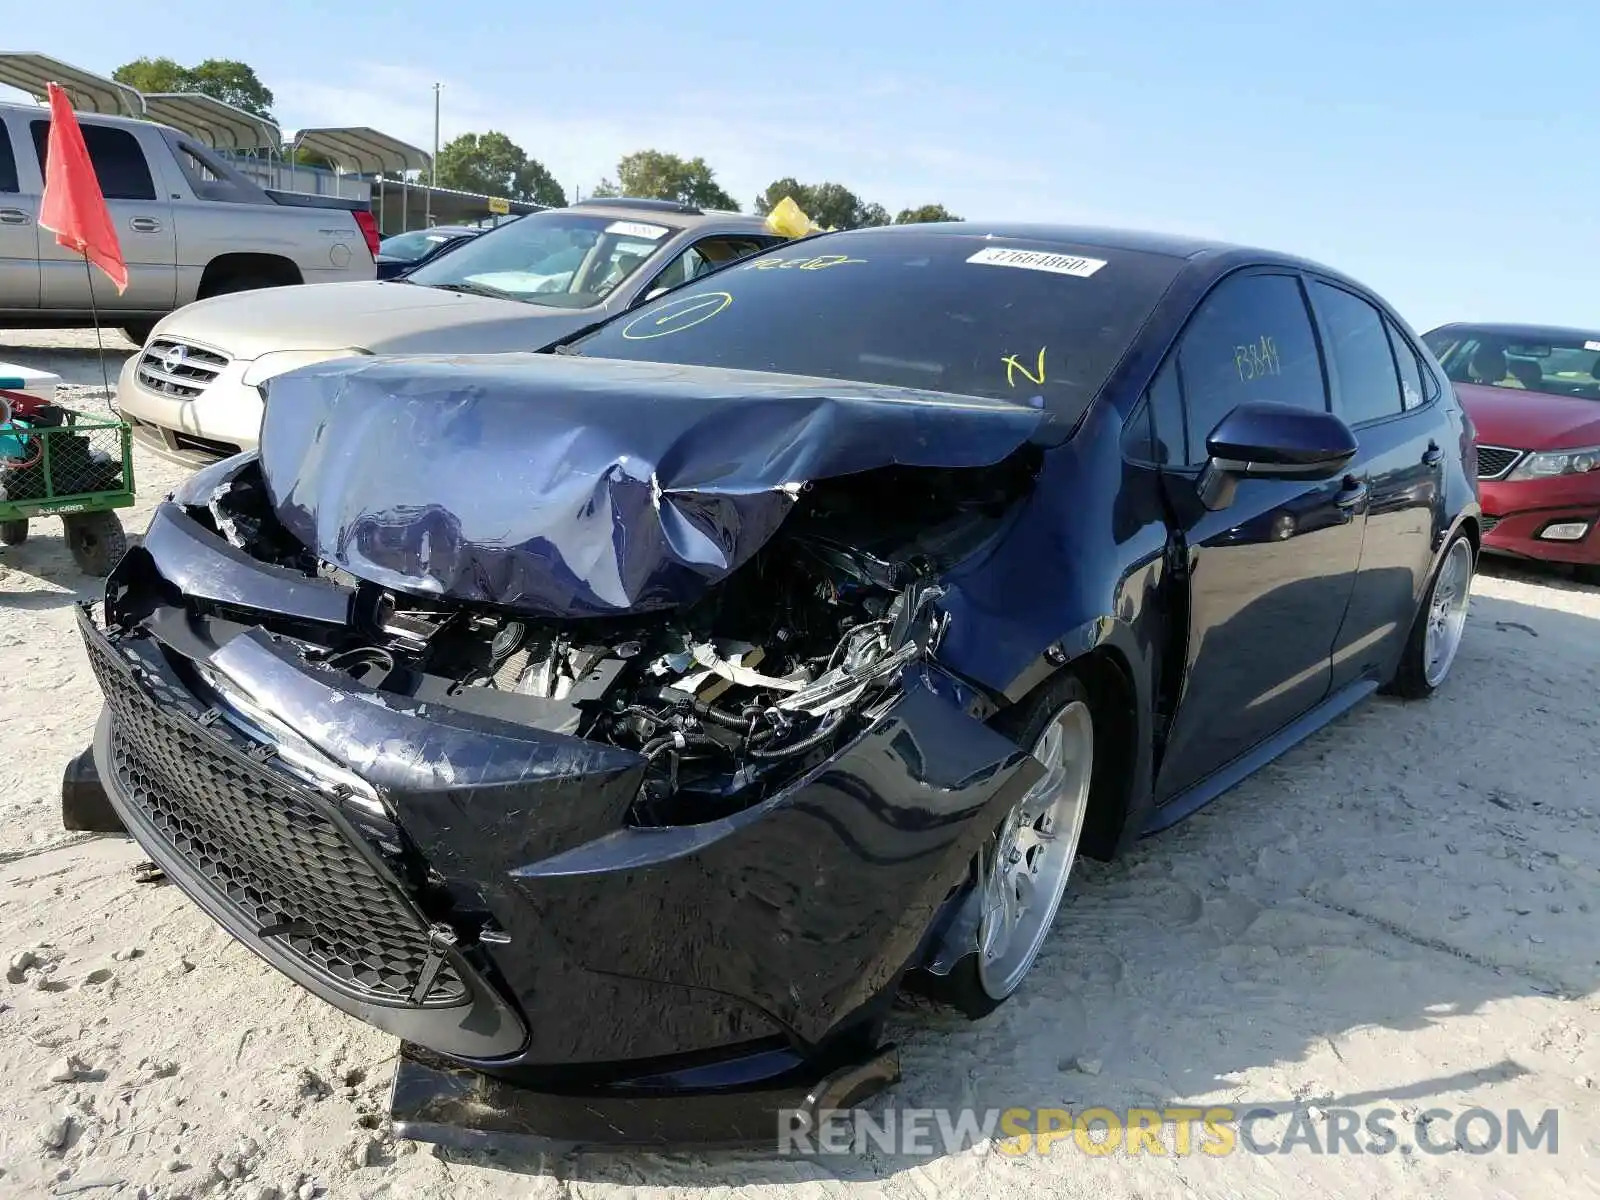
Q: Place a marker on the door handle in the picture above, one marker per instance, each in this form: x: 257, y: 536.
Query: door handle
x: 145, y: 225
x: 1352, y: 495
x: 1432, y: 456
x: 13, y: 216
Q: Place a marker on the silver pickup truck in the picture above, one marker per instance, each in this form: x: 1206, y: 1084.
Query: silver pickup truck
x: 190, y: 227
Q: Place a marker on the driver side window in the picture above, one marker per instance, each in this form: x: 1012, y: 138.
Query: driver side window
x: 1251, y: 339
x: 705, y: 255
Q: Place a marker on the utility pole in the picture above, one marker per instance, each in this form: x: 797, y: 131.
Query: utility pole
x: 433, y: 177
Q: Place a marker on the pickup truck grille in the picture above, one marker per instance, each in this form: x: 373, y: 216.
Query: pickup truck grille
x: 179, y: 369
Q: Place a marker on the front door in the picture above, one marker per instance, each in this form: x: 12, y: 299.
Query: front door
x: 1270, y: 575
x: 141, y: 216
x: 1380, y: 388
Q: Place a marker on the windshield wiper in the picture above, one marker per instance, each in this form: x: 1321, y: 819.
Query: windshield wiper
x: 475, y: 289
x: 568, y: 344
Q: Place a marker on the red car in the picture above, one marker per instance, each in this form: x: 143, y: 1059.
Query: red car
x: 1534, y: 393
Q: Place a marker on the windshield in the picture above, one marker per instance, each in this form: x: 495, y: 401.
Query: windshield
x: 1557, y: 362
x: 1036, y: 324
x: 408, y: 247
x: 564, y: 259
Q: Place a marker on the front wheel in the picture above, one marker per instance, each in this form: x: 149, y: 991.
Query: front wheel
x: 13, y: 533
x: 1436, y: 636
x: 1021, y: 873
x: 96, y: 541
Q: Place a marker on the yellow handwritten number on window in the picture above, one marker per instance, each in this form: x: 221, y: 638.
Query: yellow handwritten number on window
x: 1258, y: 359
x: 674, y: 317
x: 1014, y: 367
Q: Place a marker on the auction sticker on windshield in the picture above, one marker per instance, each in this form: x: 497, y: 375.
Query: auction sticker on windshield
x: 638, y: 229
x: 1039, y: 260
x: 1591, y: 345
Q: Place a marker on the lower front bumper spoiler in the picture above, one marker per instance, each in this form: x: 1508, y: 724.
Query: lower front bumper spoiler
x: 434, y: 1100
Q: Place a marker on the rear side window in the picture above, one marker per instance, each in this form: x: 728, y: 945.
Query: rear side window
x: 8, y: 162
x: 1251, y: 339
x: 1358, y: 343
x: 119, y: 163
x: 1413, y: 389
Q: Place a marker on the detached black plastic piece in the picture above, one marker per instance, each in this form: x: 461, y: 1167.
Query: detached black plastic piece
x: 84, y: 804
x: 435, y: 1100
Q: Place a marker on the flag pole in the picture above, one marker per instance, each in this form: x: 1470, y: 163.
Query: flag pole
x: 99, y: 337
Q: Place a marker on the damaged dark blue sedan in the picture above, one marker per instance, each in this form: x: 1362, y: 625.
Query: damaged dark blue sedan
x: 622, y: 727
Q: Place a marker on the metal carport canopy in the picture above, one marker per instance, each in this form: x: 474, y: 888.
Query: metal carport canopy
x: 219, y: 125
x: 30, y: 72
x: 362, y: 151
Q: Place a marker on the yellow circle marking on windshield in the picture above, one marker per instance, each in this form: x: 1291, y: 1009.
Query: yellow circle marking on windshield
x: 678, y: 315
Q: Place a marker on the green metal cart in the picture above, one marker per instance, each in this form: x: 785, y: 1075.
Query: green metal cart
x: 68, y: 464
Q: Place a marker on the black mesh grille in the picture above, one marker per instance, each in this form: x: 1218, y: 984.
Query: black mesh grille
x: 1495, y: 461
x: 1488, y: 523
x: 269, y: 849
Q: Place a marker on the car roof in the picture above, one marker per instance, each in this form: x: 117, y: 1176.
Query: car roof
x: 1145, y: 241
x: 1511, y: 331
x: 445, y: 229
x: 683, y: 216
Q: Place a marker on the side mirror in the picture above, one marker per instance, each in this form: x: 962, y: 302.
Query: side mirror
x: 1265, y: 440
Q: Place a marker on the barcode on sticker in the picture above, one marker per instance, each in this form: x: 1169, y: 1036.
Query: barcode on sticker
x: 638, y: 229
x: 1039, y: 260
x: 1591, y: 345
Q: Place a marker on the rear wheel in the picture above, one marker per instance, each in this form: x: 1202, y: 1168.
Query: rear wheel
x: 1431, y: 649
x: 1023, y: 869
x: 96, y: 540
x: 13, y: 533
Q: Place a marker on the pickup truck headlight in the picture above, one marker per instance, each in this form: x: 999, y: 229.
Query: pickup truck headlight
x: 1557, y: 462
x: 279, y: 361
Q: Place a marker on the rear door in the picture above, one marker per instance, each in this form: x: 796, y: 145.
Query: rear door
x: 1378, y: 388
x: 19, y: 242
x: 141, y: 214
x: 1270, y: 575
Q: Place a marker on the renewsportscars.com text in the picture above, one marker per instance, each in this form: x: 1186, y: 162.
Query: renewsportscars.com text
x: 1174, y: 1131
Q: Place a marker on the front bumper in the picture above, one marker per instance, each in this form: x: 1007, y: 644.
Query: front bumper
x: 1517, y: 513
x: 583, y: 954
x: 222, y: 421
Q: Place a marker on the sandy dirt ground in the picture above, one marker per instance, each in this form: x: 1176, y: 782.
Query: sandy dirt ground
x: 1400, y: 913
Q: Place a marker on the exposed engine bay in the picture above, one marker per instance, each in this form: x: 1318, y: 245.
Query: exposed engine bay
x: 728, y: 698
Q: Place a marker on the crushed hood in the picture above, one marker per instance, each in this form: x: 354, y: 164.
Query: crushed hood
x: 568, y: 486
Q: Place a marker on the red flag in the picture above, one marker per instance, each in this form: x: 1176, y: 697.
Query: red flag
x: 73, y: 208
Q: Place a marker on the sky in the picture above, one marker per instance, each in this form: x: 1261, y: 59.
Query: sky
x: 1442, y: 153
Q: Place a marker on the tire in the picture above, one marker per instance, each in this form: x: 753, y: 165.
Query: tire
x: 1588, y: 574
x: 139, y: 332
x: 1426, y: 661
x: 96, y: 540
x: 13, y: 533
x: 982, y: 980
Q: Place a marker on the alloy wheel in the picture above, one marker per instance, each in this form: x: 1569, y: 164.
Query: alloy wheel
x: 1027, y: 865
x: 1447, y: 612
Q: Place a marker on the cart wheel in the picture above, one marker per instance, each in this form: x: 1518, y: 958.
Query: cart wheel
x: 13, y: 533
x: 96, y: 541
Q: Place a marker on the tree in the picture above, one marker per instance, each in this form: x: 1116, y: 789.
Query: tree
x: 657, y: 175
x: 491, y: 164
x: 224, y: 79
x: 830, y: 205
x: 925, y: 213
